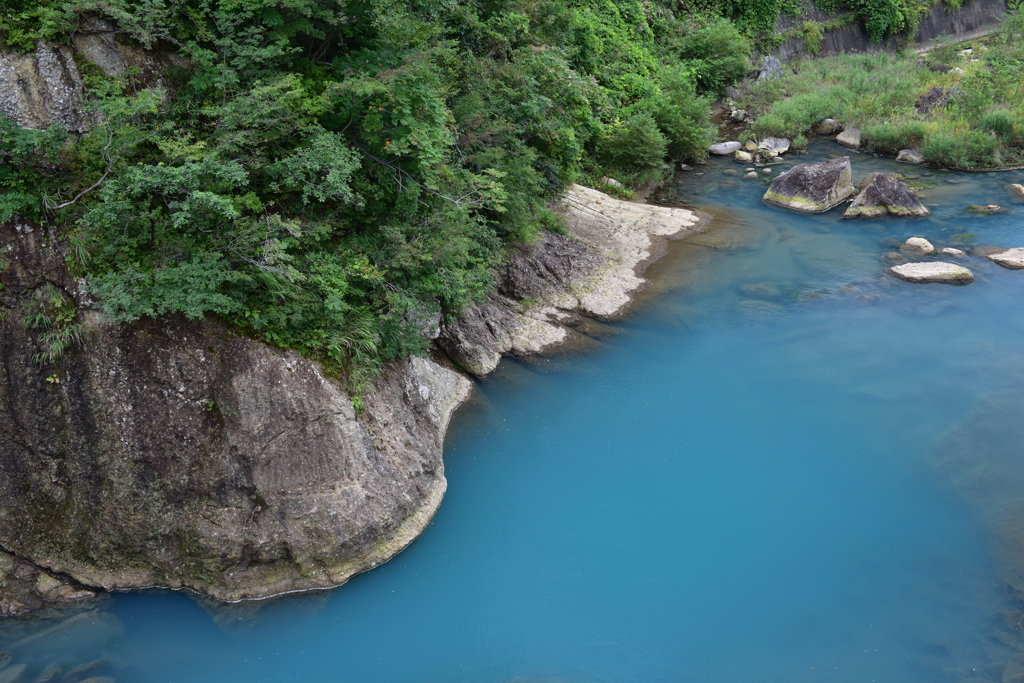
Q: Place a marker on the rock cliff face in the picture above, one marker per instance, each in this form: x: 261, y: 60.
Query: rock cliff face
x: 45, y: 87
x: 181, y: 454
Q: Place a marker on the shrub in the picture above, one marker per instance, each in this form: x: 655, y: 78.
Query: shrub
x: 961, y: 149
x: 719, y: 55
x: 889, y: 139
x: 635, y: 147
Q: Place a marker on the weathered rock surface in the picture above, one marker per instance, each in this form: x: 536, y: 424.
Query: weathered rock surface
x: 849, y: 137
x: 771, y: 68
x: 744, y: 157
x: 725, y: 148
x: 594, y: 271
x: 933, y: 271
x: 812, y: 188
x: 910, y: 156
x: 180, y: 454
x: 45, y: 87
x: 1007, y: 258
x: 881, y: 195
x: 774, y: 146
x: 917, y: 247
x: 24, y: 588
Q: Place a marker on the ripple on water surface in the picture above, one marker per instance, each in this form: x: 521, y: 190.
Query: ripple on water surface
x: 784, y: 465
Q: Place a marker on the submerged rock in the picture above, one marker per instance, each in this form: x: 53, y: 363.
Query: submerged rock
x: 895, y: 258
x: 812, y: 188
x: 910, y: 156
x: 933, y: 271
x: 955, y: 253
x: 1016, y: 192
x: 986, y: 208
x: 849, y: 137
x: 881, y: 195
x: 917, y: 247
x: 725, y: 148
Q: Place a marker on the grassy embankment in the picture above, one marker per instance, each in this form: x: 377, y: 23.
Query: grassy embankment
x: 980, y: 126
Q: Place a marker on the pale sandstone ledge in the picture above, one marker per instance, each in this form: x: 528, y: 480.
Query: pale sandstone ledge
x: 595, y: 271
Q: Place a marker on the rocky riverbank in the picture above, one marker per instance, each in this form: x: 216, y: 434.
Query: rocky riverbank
x: 185, y: 455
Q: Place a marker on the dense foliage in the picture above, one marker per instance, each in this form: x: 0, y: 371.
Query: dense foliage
x: 334, y: 174
x: 977, y: 123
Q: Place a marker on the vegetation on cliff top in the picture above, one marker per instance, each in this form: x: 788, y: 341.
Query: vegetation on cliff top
x: 333, y: 175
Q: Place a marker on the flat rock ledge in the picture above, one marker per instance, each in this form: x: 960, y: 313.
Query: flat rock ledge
x: 933, y: 271
x: 812, y: 188
x: 1007, y: 258
x: 882, y: 195
x: 546, y: 286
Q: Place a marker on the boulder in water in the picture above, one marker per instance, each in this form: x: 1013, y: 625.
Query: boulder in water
x: 775, y: 146
x: 744, y: 157
x: 910, y: 156
x: 1007, y: 258
x: 1016, y: 192
x: 986, y: 208
x: 881, y: 195
x: 917, y: 247
x: 724, y: 148
x: 955, y: 253
x: 812, y: 188
x: 933, y: 271
x: 849, y: 137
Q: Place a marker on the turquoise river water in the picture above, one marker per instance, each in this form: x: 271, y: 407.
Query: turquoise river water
x: 782, y: 465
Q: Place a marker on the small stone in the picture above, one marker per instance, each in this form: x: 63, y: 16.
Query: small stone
x: 750, y: 146
x: 739, y: 115
x: 967, y: 52
x: 955, y: 253
x: 957, y: 70
x: 730, y: 171
x: 744, y: 157
x: 752, y: 174
x: 933, y: 271
x: 45, y: 583
x: 917, y: 247
x: 611, y: 181
x: 849, y: 137
x: 1016, y: 192
x: 748, y: 169
x: 766, y: 171
x: 685, y: 167
x: 896, y: 258
x: 724, y: 148
x: 910, y: 156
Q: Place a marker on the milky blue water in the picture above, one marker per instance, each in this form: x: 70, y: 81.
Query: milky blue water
x: 733, y: 483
